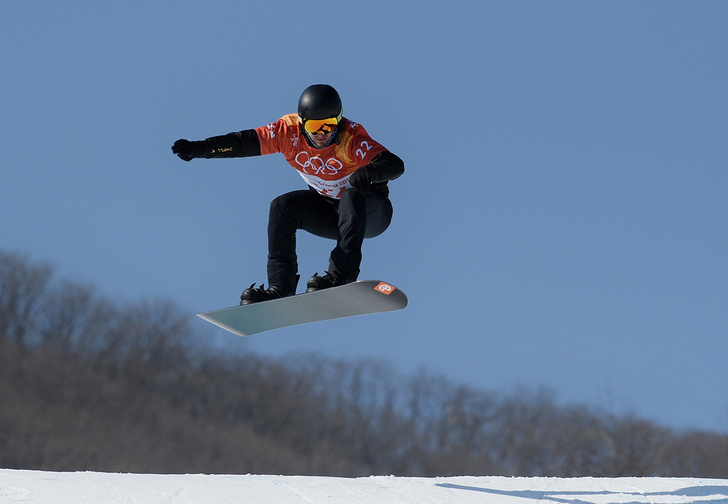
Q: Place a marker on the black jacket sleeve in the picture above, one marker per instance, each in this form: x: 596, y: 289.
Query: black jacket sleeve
x: 386, y: 166
x: 238, y: 144
x: 383, y: 168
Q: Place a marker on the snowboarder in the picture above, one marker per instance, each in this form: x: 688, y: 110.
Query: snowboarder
x: 347, y: 199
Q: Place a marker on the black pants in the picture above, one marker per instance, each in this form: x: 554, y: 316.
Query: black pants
x: 348, y: 221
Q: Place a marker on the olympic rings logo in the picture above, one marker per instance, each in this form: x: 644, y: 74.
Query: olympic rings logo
x: 317, y: 166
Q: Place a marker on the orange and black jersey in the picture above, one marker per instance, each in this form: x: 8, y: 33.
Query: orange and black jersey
x: 327, y: 169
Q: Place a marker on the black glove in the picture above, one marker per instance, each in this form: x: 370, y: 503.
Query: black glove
x: 362, y: 179
x: 187, y: 150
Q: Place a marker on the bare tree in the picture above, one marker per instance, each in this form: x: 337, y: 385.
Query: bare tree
x: 22, y: 289
x: 74, y: 317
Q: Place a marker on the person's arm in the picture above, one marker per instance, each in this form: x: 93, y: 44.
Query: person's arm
x: 383, y: 168
x: 238, y: 144
x: 386, y: 166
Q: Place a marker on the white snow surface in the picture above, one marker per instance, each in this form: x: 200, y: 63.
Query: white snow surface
x: 92, y: 487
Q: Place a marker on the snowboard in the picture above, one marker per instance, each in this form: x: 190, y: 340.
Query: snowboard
x: 357, y: 298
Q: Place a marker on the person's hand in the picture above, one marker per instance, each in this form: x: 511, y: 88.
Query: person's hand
x: 186, y: 150
x: 362, y: 179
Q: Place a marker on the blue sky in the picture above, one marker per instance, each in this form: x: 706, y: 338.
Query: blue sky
x: 561, y: 223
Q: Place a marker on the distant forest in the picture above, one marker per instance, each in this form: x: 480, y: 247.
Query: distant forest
x: 87, y: 384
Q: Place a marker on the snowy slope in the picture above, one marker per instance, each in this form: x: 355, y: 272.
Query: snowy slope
x: 79, y: 488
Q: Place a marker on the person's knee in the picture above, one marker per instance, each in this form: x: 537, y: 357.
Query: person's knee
x: 279, y: 202
x: 281, y: 205
x: 353, y: 198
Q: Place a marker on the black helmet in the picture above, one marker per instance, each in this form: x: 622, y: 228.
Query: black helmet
x: 319, y: 101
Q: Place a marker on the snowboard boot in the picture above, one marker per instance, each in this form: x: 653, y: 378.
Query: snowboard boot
x: 255, y: 294
x: 323, y: 282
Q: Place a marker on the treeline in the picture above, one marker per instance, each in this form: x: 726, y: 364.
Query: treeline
x: 86, y: 384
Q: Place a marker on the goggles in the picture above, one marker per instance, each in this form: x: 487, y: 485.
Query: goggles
x: 324, y: 126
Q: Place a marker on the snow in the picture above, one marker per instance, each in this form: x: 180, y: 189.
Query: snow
x: 92, y: 487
